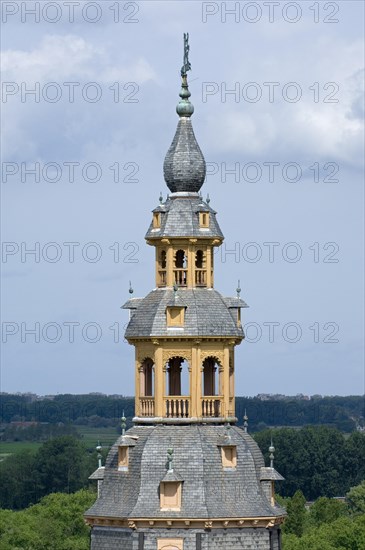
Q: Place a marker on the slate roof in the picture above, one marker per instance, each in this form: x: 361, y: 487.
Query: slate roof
x: 209, y: 491
x: 184, y: 166
x: 180, y: 218
x: 98, y: 474
x: 132, y: 303
x: 206, y: 314
x: 270, y: 474
x: 235, y: 302
x: 171, y: 476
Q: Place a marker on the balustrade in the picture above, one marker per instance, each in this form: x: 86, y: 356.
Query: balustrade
x: 181, y: 277
x: 212, y: 406
x: 177, y: 407
x: 147, y: 406
x: 201, y: 277
x: 162, y: 278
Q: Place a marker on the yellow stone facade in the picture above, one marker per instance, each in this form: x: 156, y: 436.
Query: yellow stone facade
x: 152, y: 357
x: 196, y: 268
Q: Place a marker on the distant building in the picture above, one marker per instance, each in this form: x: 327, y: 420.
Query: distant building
x: 282, y: 397
x: 185, y: 477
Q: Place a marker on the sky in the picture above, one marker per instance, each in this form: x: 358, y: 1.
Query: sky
x: 89, y: 91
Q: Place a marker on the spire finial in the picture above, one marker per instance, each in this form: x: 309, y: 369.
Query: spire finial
x: 170, y: 452
x: 130, y: 288
x: 186, y: 63
x: 184, y: 107
x: 184, y: 166
x: 271, y: 451
x: 238, y: 289
x: 161, y: 197
x: 245, y: 422
x: 228, y: 430
x: 98, y: 449
x: 123, y: 424
x: 207, y: 199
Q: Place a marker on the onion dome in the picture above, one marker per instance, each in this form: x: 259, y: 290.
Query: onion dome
x: 184, y: 166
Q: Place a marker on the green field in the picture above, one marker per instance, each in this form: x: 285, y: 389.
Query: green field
x: 11, y: 447
x: 91, y: 436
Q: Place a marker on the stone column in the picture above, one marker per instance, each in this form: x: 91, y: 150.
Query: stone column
x: 159, y: 381
x: 194, y: 375
x: 137, y: 385
x: 226, y: 379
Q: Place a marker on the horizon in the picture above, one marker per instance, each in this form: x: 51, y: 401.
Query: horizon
x: 298, y: 395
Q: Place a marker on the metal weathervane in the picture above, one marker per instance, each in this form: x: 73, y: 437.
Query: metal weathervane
x: 186, y: 66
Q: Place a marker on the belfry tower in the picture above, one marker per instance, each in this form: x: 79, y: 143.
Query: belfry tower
x: 185, y: 477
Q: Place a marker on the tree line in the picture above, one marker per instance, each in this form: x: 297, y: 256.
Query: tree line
x: 319, y: 461
x: 328, y: 524
x: 344, y: 413
x: 62, y: 465
x: 57, y: 522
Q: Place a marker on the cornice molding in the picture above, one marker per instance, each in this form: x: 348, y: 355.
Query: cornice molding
x: 184, y: 523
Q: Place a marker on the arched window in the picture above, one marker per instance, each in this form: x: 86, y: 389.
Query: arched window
x: 181, y: 261
x: 200, y: 269
x: 177, y: 382
x: 177, y: 401
x: 147, y: 385
x: 199, y: 259
x: 210, y: 376
x: 181, y: 268
x: 211, y: 400
x: 161, y: 278
x: 163, y: 259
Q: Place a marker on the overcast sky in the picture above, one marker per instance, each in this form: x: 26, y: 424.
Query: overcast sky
x: 285, y: 159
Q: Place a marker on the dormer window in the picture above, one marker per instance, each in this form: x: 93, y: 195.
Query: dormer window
x: 175, y: 316
x: 156, y: 222
x: 204, y: 219
x: 123, y: 458
x: 229, y: 457
x: 170, y: 495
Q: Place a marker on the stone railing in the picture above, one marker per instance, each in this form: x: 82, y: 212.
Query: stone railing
x: 201, y: 277
x: 162, y: 278
x: 181, y: 277
x: 147, y: 406
x: 177, y: 406
x: 211, y: 406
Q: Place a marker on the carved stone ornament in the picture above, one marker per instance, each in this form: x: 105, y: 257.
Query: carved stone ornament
x: 216, y: 354
x: 131, y: 524
x: 169, y: 354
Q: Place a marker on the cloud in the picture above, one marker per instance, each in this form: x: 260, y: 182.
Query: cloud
x: 57, y: 57
x: 60, y: 57
x: 333, y: 129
